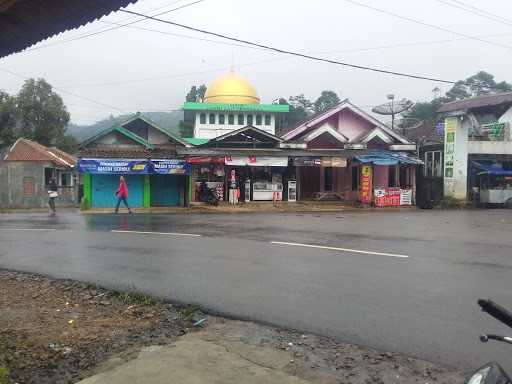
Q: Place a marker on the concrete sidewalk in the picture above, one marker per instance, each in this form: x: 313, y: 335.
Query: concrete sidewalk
x: 194, y: 360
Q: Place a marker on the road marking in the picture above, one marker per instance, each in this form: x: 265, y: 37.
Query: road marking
x: 157, y: 233
x: 27, y: 229
x: 340, y: 249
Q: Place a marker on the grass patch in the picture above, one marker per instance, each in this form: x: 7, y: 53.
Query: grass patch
x: 188, y: 311
x: 4, y: 375
x: 134, y: 297
x: 450, y: 203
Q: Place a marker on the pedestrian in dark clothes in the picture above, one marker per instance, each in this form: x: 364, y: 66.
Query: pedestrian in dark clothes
x: 122, y: 194
x: 52, y: 195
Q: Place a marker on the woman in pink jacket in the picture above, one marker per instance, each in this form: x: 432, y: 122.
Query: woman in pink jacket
x: 122, y: 194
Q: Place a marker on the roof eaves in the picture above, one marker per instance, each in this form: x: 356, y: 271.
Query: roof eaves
x: 133, y: 136
x: 156, y: 126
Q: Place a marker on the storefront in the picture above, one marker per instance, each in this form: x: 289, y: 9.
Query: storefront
x: 255, y: 178
x: 151, y: 182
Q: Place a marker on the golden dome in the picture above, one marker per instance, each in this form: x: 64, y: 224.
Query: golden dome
x: 231, y: 89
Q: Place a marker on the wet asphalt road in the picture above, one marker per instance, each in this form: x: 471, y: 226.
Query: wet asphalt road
x: 423, y: 305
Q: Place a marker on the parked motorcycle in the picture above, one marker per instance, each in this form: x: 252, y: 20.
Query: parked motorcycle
x: 208, y: 195
x: 492, y: 373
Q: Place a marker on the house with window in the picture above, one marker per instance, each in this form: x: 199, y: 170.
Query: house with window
x: 350, y: 154
x: 26, y: 169
x: 478, y: 148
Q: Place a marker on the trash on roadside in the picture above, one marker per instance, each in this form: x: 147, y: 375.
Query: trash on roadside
x: 199, y: 323
x: 71, y: 321
x: 290, y: 344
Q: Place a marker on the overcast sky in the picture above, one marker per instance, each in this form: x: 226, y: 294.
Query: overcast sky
x: 137, y: 70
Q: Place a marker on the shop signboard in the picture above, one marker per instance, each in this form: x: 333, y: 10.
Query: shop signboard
x: 133, y: 167
x: 392, y: 197
x: 449, y: 146
x: 170, y: 167
x: 113, y: 166
x: 366, y: 184
x: 335, y: 162
x: 257, y: 161
x: 205, y: 159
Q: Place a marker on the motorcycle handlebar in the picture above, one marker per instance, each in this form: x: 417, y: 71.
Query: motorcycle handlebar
x: 496, y: 311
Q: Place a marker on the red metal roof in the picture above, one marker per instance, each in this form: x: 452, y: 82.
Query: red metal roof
x: 26, y: 22
x: 27, y: 150
x: 476, y: 102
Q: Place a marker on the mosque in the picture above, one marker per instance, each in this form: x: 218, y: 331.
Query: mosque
x: 231, y: 103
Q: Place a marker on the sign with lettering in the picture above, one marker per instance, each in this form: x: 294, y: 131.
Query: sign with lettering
x: 450, y: 128
x: 365, y: 190
x: 133, y: 167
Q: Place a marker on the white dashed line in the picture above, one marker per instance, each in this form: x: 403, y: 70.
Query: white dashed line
x: 340, y: 249
x: 27, y: 229
x: 157, y: 233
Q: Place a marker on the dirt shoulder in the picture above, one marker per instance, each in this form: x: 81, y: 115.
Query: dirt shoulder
x: 61, y: 331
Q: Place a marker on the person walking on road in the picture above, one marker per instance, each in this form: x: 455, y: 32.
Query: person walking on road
x: 52, y: 195
x: 122, y: 194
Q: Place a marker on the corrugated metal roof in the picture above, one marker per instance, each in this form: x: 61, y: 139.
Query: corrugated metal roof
x: 26, y: 22
x: 27, y: 150
x: 477, y: 102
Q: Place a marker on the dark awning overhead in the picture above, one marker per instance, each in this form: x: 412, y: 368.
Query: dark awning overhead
x: 388, y: 158
x: 491, y: 169
x: 26, y: 22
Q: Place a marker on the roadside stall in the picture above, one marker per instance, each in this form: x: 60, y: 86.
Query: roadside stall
x: 209, y: 170
x: 494, y: 184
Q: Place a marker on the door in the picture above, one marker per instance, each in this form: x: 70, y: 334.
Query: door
x: 105, y: 186
x: 165, y: 190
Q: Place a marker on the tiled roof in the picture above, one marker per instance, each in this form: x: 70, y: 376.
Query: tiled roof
x: 476, y: 102
x: 26, y: 22
x: 27, y: 150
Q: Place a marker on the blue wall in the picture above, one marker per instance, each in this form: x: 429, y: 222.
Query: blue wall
x: 105, y: 186
x: 165, y: 190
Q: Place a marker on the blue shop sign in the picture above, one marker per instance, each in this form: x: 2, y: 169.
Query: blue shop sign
x: 133, y: 167
x: 170, y: 167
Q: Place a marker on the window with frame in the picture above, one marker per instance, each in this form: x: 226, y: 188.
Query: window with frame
x: 222, y: 119
x: 355, y: 178
x: 433, y: 164
x: 241, y: 119
x: 211, y: 118
x: 231, y: 119
x: 202, y: 118
x: 258, y: 119
x: 29, y: 186
x: 268, y: 120
x: 65, y: 179
x: 48, y: 175
x: 249, y: 119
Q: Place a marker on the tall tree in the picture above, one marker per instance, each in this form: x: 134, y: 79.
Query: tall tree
x: 196, y: 93
x: 327, y: 100
x: 481, y: 83
x: 42, y: 115
x: 7, y: 119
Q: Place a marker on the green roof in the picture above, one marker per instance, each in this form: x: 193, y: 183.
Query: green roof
x: 195, y: 140
x: 277, y: 108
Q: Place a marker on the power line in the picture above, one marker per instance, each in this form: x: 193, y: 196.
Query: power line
x: 279, y: 50
x: 482, y: 11
x: 117, y: 26
x: 477, y: 12
x: 424, y: 24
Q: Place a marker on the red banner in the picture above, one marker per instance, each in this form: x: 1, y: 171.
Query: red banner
x: 205, y: 159
x: 365, y: 190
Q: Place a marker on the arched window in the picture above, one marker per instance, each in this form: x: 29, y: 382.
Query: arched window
x: 258, y: 119
x: 241, y: 119
x: 268, y: 120
x: 231, y: 119
x: 222, y: 118
x: 211, y: 118
x: 249, y: 119
x: 202, y: 118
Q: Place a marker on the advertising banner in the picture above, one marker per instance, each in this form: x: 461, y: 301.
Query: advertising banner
x: 365, y: 191
x: 257, y: 161
x: 113, y: 166
x: 205, y: 159
x: 449, y: 145
x: 392, y: 197
x: 335, y: 162
x: 170, y: 167
x: 133, y: 167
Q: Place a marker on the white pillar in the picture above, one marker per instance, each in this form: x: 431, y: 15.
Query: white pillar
x: 456, y: 157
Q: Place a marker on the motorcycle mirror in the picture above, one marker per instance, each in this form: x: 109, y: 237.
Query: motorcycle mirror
x: 490, y: 373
